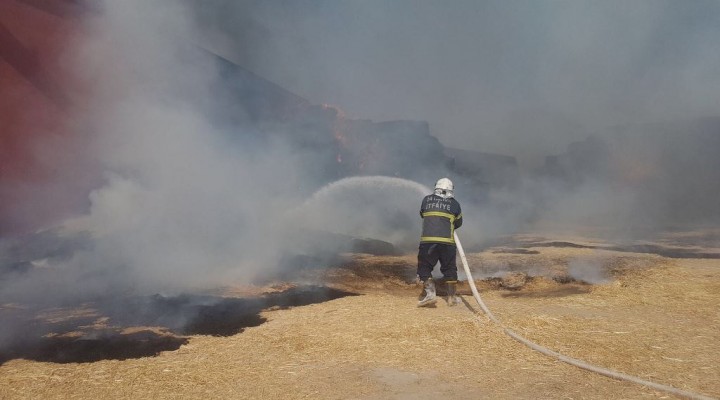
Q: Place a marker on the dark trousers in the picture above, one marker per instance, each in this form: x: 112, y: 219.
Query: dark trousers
x: 428, y: 256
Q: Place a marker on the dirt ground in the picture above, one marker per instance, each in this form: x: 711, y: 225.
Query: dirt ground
x: 647, y: 315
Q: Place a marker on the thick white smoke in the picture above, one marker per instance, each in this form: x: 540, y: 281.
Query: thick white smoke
x: 180, y: 207
x: 523, y: 79
x: 184, y: 203
x: 189, y: 202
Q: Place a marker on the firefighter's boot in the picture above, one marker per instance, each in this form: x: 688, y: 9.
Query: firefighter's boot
x: 452, y: 298
x: 429, y: 289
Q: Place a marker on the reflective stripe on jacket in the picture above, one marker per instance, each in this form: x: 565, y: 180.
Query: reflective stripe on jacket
x: 440, y: 219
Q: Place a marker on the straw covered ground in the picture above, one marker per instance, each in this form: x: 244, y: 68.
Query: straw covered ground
x: 647, y: 315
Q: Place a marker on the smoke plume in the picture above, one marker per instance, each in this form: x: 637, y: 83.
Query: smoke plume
x: 189, y: 199
x: 533, y: 80
x: 599, y: 103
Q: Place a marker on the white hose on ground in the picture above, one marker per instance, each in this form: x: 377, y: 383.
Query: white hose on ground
x: 569, y: 360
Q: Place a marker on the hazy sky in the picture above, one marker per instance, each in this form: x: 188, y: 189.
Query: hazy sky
x: 516, y: 77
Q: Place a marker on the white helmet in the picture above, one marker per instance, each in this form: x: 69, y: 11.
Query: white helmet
x: 444, y: 188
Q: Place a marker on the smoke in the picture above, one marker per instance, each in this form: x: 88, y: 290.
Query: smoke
x: 203, y: 173
x: 196, y: 192
x: 588, y: 269
x: 176, y: 205
x: 183, y: 203
x: 484, y: 70
x: 366, y: 207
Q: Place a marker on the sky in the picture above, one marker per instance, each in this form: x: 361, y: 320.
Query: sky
x: 514, y: 77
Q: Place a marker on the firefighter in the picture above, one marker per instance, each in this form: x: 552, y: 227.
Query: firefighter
x: 441, y: 215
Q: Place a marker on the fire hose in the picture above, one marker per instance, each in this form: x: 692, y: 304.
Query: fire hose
x: 563, y: 358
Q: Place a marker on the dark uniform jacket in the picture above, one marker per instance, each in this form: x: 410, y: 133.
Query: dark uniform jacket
x: 440, y: 219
